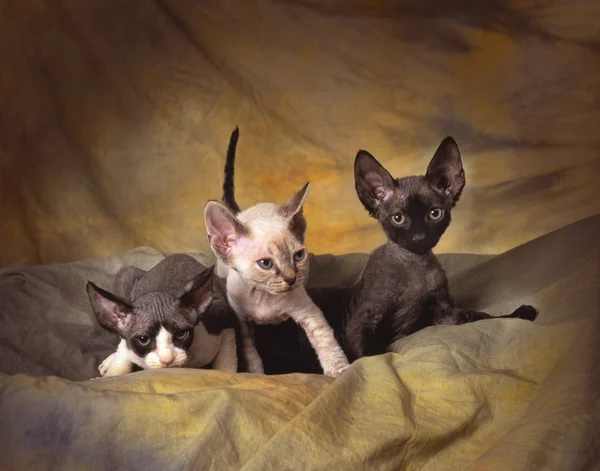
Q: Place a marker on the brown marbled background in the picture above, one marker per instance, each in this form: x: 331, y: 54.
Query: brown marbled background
x: 115, y: 116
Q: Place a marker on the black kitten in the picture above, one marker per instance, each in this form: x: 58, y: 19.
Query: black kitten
x: 404, y: 288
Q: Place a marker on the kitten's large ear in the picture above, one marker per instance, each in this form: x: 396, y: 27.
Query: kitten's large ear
x: 223, y: 228
x: 294, y: 205
x: 292, y: 210
x: 198, y: 294
x: 445, y: 171
x: 372, y: 181
x: 111, y: 312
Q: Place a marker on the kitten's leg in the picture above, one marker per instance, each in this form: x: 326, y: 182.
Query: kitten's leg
x: 103, y: 368
x: 226, y: 358
x: 360, y: 327
x: 457, y: 316
x: 116, y: 364
x: 321, y: 337
x: 255, y: 364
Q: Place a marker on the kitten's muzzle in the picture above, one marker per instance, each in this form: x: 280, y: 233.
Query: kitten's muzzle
x: 290, y: 280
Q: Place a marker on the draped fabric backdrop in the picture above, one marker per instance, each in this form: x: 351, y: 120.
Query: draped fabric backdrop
x: 115, y: 116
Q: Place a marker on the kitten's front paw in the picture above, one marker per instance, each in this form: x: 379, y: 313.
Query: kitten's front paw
x: 336, y: 368
x: 115, y: 366
x: 526, y: 312
x: 105, y: 365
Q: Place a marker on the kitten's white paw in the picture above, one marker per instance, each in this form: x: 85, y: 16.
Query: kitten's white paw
x: 335, y: 372
x: 105, y: 365
x: 115, y: 365
x: 336, y: 367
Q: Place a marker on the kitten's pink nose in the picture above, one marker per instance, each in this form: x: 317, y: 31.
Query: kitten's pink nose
x: 166, y: 358
x: 418, y: 237
x: 290, y: 280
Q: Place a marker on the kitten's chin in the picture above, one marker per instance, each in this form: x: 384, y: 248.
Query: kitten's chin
x: 177, y: 363
x: 280, y: 289
x: 421, y: 250
x: 416, y: 249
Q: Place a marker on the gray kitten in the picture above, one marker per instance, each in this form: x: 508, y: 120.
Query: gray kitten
x: 158, y: 314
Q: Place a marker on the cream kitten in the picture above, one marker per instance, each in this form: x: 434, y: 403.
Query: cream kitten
x: 261, y: 253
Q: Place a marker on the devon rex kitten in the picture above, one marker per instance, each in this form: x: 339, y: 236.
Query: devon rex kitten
x: 261, y: 254
x: 403, y: 287
x: 159, y: 315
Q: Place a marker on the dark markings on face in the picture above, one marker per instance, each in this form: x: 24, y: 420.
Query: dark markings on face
x: 144, y: 341
x: 150, y: 313
x: 285, y: 266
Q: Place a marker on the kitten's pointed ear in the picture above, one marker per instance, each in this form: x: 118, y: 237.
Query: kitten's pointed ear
x: 372, y: 181
x: 223, y: 228
x: 111, y: 312
x: 445, y: 171
x: 198, y: 294
x: 292, y: 209
x: 294, y: 205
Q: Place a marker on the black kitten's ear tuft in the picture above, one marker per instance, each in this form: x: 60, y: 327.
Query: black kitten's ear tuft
x: 198, y: 294
x: 112, y: 312
x: 372, y: 181
x: 445, y: 171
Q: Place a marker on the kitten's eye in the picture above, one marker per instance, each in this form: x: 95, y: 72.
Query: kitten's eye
x: 435, y: 214
x: 265, y: 263
x: 398, y: 219
x: 298, y: 256
x: 181, y: 334
x: 143, y: 340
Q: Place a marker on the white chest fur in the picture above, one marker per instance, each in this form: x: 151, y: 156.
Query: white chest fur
x: 258, y: 305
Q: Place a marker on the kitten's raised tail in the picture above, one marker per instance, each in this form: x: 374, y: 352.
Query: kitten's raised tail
x: 228, y: 185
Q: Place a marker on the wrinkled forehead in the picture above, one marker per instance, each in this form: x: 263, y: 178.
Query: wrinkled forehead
x: 156, y: 309
x: 414, y: 194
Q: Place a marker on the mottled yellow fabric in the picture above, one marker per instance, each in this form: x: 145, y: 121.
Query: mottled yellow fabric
x: 450, y: 400
x: 500, y: 394
x: 115, y: 116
